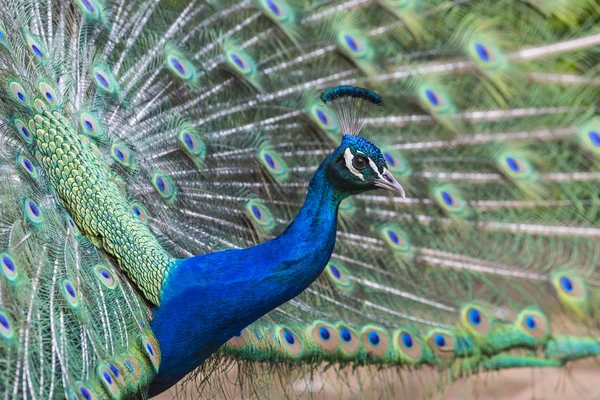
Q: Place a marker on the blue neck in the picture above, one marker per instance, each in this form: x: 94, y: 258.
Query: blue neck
x: 207, y: 299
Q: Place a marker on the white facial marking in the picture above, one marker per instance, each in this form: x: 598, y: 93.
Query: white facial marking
x: 374, y: 168
x: 348, y: 157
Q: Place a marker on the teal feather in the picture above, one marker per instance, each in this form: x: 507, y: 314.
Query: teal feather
x: 135, y: 135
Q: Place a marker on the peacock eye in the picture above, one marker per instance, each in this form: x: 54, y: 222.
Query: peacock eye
x: 359, y: 162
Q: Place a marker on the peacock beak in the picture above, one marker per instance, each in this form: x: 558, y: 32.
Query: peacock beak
x: 388, y: 182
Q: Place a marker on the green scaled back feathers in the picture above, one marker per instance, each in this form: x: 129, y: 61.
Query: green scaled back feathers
x: 135, y: 133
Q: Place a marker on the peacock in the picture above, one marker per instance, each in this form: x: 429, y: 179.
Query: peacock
x: 287, y: 186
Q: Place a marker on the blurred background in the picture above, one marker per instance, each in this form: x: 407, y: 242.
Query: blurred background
x: 579, y: 380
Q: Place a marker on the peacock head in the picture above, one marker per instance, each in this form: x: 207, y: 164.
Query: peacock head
x: 357, y: 165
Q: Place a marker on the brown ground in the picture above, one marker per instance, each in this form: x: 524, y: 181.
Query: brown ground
x: 580, y: 380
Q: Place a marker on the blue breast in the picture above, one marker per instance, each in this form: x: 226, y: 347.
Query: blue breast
x: 207, y: 299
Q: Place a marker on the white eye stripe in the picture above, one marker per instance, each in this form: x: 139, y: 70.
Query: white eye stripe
x: 348, y: 157
x: 374, y: 168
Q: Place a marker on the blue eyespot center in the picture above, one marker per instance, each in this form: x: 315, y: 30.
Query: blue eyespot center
x: 595, y: 138
x: 238, y: 61
x: 447, y: 197
x: 87, y: 5
x: 324, y: 333
x: 530, y: 322
x: 1, y: 37
x: 8, y: 263
x: 374, y: 338
x: 37, y: 51
x: 389, y: 159
x: 28, y: 165
x: 512, y: 164
x: 351, y: 43
x: 393, y: 237
x: 70, y: 290
x: 150, y: 349
x: 114, y: 370
x: 322, y: 117
x: 335, y: 272
x: 270, y: 161
x: 25, y: 131
x: 482, y: 52
x: 475, y: 317
x: 101, y: 79
x: 86, y: 394
x: 407, y: 340
x: 119, y: 154
x: 105, y: 274
x: 432, y: 97
x: 440, y: 341
x: 129, y: 366
x: 107, y: 377
x: 289, y: 338
x: 4, y: 322
x: 188, y: 141
x: 274, y: 7
x: 161, y: 184
x: 137, y: 211
x: 345, y: 335
x: 21, y: 96
x: 177, y: 65
x: 256, y: 212
x: 34, y: 209
x: 88, y: 125
x: 566, y: 284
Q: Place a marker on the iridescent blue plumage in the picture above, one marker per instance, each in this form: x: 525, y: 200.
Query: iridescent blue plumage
x: 347, y: 91
x: 208, y: 299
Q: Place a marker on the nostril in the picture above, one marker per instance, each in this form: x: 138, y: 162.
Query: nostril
x: 388, y: 178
